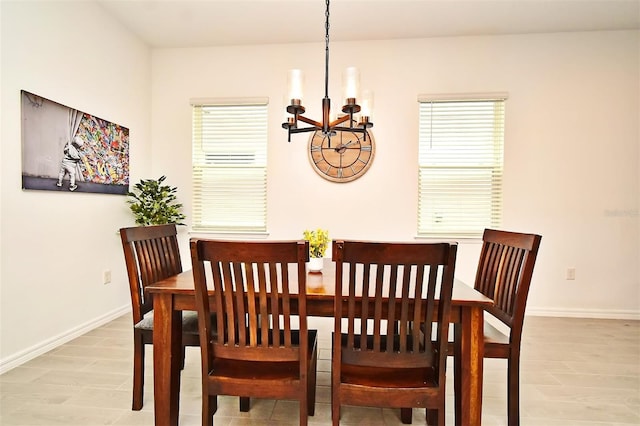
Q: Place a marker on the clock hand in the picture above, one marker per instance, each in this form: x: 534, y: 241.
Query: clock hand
x: 340, y: 148
x: 358, y: 139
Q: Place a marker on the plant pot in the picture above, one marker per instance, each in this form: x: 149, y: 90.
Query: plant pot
x: 314, y: 265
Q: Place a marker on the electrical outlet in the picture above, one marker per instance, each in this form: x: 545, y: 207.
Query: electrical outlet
x: 106, y: 276
x: 571, y: 274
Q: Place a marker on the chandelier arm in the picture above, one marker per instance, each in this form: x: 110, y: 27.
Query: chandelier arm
x: 310, y: 121
x: 339, y: 120
x: 350, y: 129
x: 305, y: 130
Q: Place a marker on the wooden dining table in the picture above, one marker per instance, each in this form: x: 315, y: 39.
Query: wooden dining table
x: 175, y: 294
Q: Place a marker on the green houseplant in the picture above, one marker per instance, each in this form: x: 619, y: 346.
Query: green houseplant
x: 154, y: 203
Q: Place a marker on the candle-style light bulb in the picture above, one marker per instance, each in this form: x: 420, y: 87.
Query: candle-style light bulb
x: 350, y: 85
x: 366, y: 107
x: 295, y: 82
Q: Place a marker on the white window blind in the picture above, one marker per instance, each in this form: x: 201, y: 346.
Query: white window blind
x: 460, y: 166
x: 230, y: 166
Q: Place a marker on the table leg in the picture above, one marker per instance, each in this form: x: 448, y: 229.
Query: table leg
x: 167, y: 341
x: 468, y: 366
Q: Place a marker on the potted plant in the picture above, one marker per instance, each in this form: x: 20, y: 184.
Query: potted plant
x: 318, y: 243
x: 154, y: 203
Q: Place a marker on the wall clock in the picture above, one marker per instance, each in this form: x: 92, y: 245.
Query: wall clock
x: 342, y: 157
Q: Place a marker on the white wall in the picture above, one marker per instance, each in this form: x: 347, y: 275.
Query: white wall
x: 54, y: 246
x: 571, y: 161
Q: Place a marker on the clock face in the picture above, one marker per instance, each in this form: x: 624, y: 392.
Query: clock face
x: 342, y: 157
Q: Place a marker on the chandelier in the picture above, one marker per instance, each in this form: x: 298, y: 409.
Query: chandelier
x: 346, y: 122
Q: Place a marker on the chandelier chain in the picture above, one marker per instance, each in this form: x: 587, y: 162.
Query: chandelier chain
x: 326, y: 48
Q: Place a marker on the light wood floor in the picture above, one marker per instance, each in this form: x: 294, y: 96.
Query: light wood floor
x: 574, y: 372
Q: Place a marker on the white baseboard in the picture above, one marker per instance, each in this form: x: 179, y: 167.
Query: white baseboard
x: 585, y: 313
x: 52, y: 343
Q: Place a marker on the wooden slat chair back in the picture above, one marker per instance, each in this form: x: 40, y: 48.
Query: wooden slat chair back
x: 379, y: 357
x: 264, y: 348
x: 151, y: 254
x: 504, y: 274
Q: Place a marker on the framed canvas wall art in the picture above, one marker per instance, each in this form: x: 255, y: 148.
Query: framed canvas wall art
x: 64, y: 149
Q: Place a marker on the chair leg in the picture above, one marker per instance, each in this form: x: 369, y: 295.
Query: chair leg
x: 457, y: 373
x: 209, y: 408
x: 311, y: 385
x: 138, y: 372
x: 335, y: 384
x: 405, y: 415
x: 335, y: 409
x: 183, y: 355
x: 304, y: 406
x: 513, y: 390
x: 335, y: 415
x: 435, y: 417
x: 245, y: 404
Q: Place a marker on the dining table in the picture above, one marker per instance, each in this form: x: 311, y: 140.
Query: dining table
x: 175, y: 294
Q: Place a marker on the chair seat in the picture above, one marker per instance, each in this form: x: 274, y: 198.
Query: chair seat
x: 189, y: 322
x: 494, y: 336
x: 387, y: 377
x: 496, y: 343
x: 264, y: 370
x: 265, y: 379
x: 255, y: 370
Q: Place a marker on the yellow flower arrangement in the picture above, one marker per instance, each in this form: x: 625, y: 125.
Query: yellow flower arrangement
x: 318, y: 241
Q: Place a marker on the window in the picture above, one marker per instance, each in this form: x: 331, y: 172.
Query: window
x: 230, y: 166
x: 460, y: 166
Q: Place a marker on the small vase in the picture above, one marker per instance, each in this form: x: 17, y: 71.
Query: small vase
x: 315, y: 264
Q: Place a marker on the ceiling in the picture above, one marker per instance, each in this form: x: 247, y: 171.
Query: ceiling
x: 196, y: 23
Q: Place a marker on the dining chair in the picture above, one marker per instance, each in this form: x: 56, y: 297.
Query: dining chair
x: 504, y: 274
x: 151, y: 254
x: 263, y: 348
x: 378, y: 357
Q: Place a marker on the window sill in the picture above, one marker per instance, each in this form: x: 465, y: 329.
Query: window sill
x: 465, y: 240
x: 229, y: 235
